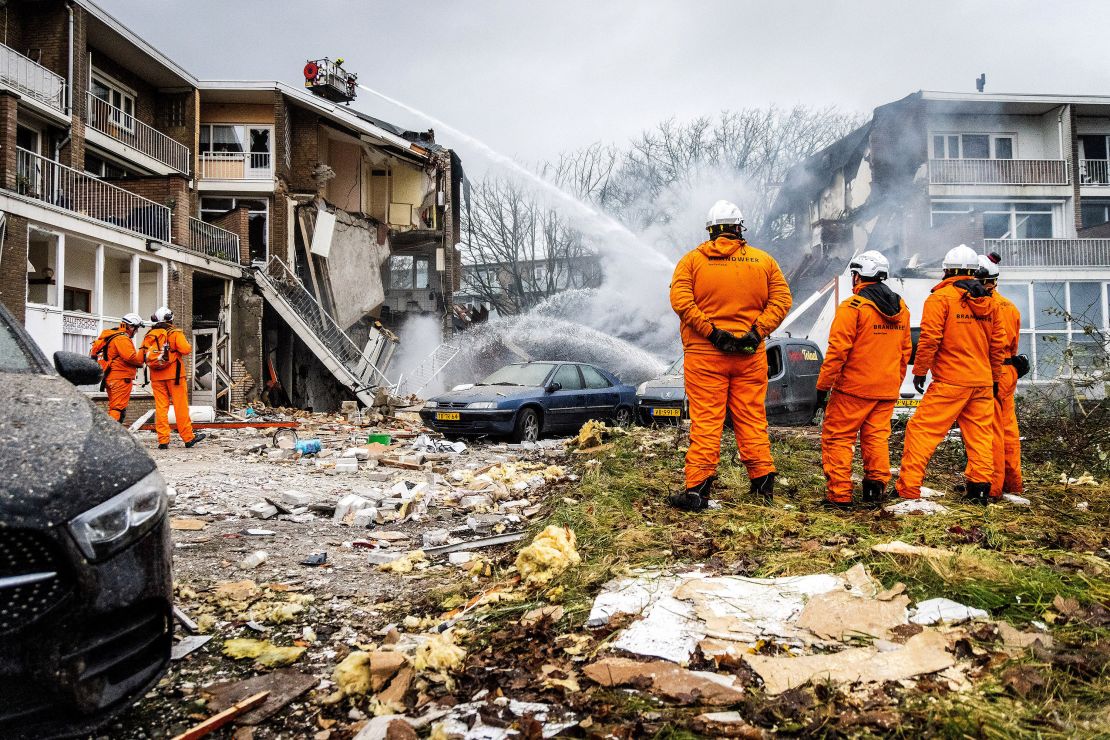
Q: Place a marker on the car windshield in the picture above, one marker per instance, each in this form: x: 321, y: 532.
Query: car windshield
x: 14, y: 357
x: 531, y: 374
x: 676, y: 368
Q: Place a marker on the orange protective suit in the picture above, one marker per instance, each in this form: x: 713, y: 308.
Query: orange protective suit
x: 1007, y: 437
x: 123, y: 361
x: 869, y: 349
x: 963, y: 345
x: 170, y: 384
x: 728, y: 284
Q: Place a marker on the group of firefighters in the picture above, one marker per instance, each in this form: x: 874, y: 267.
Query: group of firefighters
x: 163, y: 348
x: 730, y: 296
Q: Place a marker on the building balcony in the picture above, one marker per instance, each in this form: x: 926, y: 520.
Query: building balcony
x: 236, y: 166
x: 998, y: 172
x: 1051, y: 252
x: 212, y: 241
x: 32, y: 80
x: 133, y: 133
x: 1094, y: 172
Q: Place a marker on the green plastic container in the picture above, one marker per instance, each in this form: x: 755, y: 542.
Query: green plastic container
x: 382, y: 439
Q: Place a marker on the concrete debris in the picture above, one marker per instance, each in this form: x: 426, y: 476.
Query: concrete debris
x: 920, y: 506
x: 263, y: 510
x: 668, y: 680
x: 550, y: 554
x: 406, y: 563
x: 838, y: 615
x: 255, y: 559
x: 1086, y: 479
x: 469, y: 721
x: 935, y: 611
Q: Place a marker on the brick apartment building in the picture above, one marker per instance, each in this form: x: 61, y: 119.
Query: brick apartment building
x: 1026, y: 176
x: 126, y: 183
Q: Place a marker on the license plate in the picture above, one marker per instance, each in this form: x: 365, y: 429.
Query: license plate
x: 447, y: 416
x: 666, y: 412
x: 907, y: 403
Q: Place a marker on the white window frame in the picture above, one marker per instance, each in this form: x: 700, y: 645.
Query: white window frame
x: 1057, y: 211
x: 245, y: 133
x: 123, y: 119
x: 993, y: 136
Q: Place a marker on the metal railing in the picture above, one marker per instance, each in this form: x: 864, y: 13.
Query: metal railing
x: 213, y: 241
x: 129, y: 130
x: 1094, y: 172
x: 302, y: 303
x: 1051, y: 252
x: 998, y: 172
x: 428, y: 370
x: 51, y: 182
x: 235, y: 166
x: 29, y: 78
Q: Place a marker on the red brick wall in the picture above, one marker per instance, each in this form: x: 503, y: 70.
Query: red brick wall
x: 238, y: 221
x: 171, y: 191
x: 13, y: 267
x: 305, y: 156
x: 9, y: 109
x: 40, y: 30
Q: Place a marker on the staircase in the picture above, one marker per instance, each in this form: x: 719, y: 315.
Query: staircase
x: 359, y: 370
x: 428, y: 370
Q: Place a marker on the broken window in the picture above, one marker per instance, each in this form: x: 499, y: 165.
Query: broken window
x: 235, y: 151
x: 408, y: 272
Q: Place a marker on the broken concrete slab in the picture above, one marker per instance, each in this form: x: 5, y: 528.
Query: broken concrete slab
x: 838, y: 615
x: 667, y: 679
x: 263, y: 510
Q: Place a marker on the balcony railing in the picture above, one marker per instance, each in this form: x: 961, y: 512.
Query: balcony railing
x: 1094, y: 172
x: 54, y: 183
x: 998, y: 172
x: 1051, y: 252
x: 125, y: 128
x: 235, y: 166
x: 32, y: 80
x: 213, y: 241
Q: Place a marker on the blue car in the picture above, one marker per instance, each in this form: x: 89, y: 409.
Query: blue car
x: 528, y: 399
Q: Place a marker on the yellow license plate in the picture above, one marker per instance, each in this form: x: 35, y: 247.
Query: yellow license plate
x: 447, y: 416
x: 907, y: 403
x: 666, y: 412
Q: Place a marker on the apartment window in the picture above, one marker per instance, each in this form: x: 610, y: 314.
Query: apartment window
x: 408, y: 272
x: 1001, y: 219
x: 252, y: 145
x: 77, y: 299
x: 973, y: 146
x: 94, y: 165
x: 1055, y: 318
x: 121, y: 102
x: 1094, y: 212
x: 258, y: 217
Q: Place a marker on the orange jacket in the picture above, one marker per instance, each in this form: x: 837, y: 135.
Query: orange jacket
x: 961, y: 341
x: 729, y: 284
x: 123, y: 359
x: 1010, y: 318
x: 869, y: 345
x: 179, y: 348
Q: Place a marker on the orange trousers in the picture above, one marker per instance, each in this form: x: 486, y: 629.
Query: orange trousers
x: 737, y: 383
x: 119, y: 396
x: 1007, y: 439
x: 846, y: 417
x: 944, y: 403
x: 166, y: 392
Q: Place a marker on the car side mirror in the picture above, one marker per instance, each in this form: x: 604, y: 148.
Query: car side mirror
x: 77, y: 368
x: 552, y: 387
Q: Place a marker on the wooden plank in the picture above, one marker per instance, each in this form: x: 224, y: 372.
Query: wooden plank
x: 217, y: 721
x: 308, y: 255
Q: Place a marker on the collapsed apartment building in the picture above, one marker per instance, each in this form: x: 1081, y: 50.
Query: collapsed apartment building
x: 292, y: 235
x: 1025, y: 176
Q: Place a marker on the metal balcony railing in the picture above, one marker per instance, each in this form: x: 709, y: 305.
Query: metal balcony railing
x: 235, y: 166
x: 1051, y: 252
x: 998, y: 172
x: 129, y: 130
x: 46, y: 180
x: 1094, y: 172
x: 31, y: 79
x: 212, y: 241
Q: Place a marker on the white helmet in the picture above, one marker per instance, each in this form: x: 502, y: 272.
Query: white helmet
x: 870, y: 264
x: 962, y: 257
x: 163, y: 314
x: 724, y: 213
x: 133, y: 319
x: 988, y: 266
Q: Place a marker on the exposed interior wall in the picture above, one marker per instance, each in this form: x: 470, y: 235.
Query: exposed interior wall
x: 345, y: 190
x: 408, y: 187
x: 246, y: 339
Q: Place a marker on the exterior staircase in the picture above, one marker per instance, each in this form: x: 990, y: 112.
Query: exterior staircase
x: 428, y: 370
x: 361, y: 370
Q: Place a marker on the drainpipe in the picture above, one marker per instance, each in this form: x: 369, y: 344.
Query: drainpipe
x: 1060, y: 131
x: 69, y: 79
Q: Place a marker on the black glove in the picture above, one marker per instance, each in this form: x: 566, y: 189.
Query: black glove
x: 749, y: 343
x: 1021, y: 364
x: 996, y: 390
x: 724, y: 341
x: 822, y: 399
x: 919, y: 383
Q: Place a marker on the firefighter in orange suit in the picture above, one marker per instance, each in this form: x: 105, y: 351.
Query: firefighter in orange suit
x: 963, y: 345
x: 118, y: 358
x: 729, y: 297
x: 1007, y: 438
x: 869, y: 349
x: 164, y: 348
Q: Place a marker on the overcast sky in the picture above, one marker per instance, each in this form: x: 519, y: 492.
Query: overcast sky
x: 535, y: 78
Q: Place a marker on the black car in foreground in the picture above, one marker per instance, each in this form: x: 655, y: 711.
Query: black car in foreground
x: 85, y: 586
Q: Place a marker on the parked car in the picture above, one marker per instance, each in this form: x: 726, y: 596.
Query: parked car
x: 792, y: 368
x: 528, y: 399
x: 85, y: 587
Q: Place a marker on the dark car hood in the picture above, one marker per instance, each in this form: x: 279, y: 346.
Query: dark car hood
x: 490, y: 393
x: 59, y: 454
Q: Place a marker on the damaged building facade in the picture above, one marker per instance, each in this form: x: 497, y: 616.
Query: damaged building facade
x: 291, y: 236
x: 1025, y: 176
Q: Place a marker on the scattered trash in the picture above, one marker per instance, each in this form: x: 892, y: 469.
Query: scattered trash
x: 915, y: 506
x: 1082, y: 505
x: 1086, y: 479
x: 258, y: 532
x: 217, y: 721
x: 188, y: 525
x: 934, y: 611
x: 424, y: 443
x: 840, y: 615
x: 1015, y: 499
x: 551, y: 552
x: 284, y: 439
x: 308, y: 446
x: 667, y: 679
x: 897, y: 547
x: 316, y: 558
x: 405, y: 563
x: 187, y: 645
x: 281, y: 686
x: 255, y: 559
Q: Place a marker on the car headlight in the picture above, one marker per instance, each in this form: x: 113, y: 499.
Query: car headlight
x: 641, y: 389
x: 431, y: 404
x: 111, y: 526
x: 482, y: 405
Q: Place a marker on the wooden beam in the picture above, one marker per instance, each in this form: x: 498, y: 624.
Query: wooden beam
x: 217, y: 721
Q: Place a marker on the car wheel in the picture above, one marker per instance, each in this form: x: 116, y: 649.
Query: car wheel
x: 623, y: 417
x: 527, y: 426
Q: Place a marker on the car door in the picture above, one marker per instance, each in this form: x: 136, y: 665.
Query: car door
x: 566, y: 406
x: 601, y: 397
x: 778, y: 383
x: 803, y: 363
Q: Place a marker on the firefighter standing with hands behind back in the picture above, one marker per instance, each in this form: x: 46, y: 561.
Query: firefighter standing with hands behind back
x: 164, y: 346
x: 962, y: 344
x: 115, y: 351
x: 869, y: 349
x: 729, y: 297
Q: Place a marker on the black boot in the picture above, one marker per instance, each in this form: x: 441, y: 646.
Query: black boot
x: 693, y: 499
x: 764, y: 486
x: 874, y: 492
x: 979, y: 493
x: 838, y: 505
x: 198, y: 438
